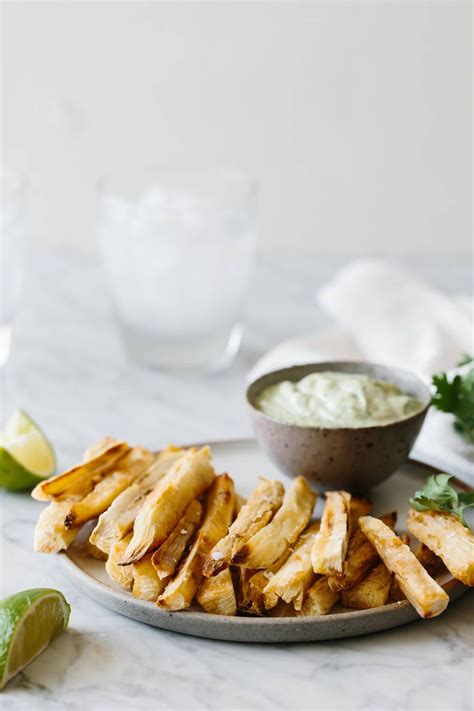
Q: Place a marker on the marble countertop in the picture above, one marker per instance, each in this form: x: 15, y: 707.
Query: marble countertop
x: 68, y: 370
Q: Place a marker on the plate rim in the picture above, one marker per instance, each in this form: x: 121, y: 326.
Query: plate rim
x: 246, y: 620
x: 72, y: 569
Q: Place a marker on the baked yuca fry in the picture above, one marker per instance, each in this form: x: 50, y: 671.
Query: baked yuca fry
x: 356, y: 540
x: 93, y: 552
x: 265, y: 499
x: 361, y: 557
x: 216, y: 595
x: 268, y: 544
x: 259, y: 601
x: 282, y: 609
x: 330, y: 545
x: 179, y: 593
x: 165, y: 505
x: 80, y: 479
x: 239, y: 501
x: 120, y: 575
x: 359, y: 507
x: 429, y: 560
x: 165, y: 560
x: 118, y: 520
x: 243, y: 592
x: 319, y: 600
x: 98, y: 447
x: 427, y: 597
x: 127, y: 469
x: 444, y: 534
x: 146, y: 583
x: 372, y: 591
x: 396, y: 593
x: 296, y: 575
x: 50, y: 534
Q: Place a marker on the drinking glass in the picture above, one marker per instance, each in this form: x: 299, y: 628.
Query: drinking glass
x: 178, y: 247
x: 12, y: 228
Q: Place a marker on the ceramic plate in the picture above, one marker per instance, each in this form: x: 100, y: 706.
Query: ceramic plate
x: 243, y: 460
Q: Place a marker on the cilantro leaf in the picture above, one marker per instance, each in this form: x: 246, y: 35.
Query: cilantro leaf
x: 438, y: 495
x: 457, y: 396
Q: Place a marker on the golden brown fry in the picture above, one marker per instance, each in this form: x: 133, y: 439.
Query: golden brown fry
x: 243, y: 591
x: 355, y: 542
x: 238, y: 504
x: 219, y: 512
x: 361, y: 557
x: 98, y: 447
x: 433, y: 565
x: 359, y: 507
x: 80, y: 479
x: 270, y: 542
x: 165, y: 505
x: 165, y: 560
x: 93, y: 552
x: 396, y: 593
x: 282, y: 609
x: 424, y: 593
x: 429, y: 560
x: 121, y: 576
x: 265, y: 499
x: 319, y: 600
x: 50, y: 534
x: 146, y: 583
x: 127, y: 469
x: 445, y: 535
x: 296, y: 575
x: 372, y: 591
x: 180, y: 592
x: 118, y: 519
x: 216, y: 595
x: 259, y: 601
x: 330, y: 545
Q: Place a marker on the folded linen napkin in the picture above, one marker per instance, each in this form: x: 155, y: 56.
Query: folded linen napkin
x: 385, y: 315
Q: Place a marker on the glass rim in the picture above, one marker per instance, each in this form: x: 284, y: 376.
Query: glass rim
x: 109, y: 183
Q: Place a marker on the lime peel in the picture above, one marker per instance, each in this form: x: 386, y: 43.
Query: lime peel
x: 26, y: 456
x: 29, y: 621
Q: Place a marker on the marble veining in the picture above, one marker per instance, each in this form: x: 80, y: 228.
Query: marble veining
x: 68, y: 370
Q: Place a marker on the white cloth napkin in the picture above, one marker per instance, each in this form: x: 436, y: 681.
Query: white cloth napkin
x: 384, y: 314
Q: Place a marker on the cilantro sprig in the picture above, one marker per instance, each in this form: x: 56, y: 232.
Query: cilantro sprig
x: 457, y: 396
x: 438, y: 495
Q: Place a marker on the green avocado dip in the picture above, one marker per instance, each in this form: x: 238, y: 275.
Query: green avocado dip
x: 332, y: 399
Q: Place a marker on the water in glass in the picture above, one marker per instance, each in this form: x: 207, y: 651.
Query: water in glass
x: 179, y: 250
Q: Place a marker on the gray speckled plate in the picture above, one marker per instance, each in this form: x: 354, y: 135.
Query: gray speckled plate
x: 245, y: 462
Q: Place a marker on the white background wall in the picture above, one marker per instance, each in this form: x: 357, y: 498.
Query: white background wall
x: 355, y: 116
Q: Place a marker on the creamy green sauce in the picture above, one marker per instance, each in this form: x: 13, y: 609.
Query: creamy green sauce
x: 331, y: 399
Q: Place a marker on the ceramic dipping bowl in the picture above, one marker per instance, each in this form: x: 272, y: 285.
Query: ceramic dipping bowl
x: 355, y: 459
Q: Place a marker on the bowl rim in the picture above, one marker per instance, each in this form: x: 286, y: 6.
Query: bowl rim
x: 426, y: 401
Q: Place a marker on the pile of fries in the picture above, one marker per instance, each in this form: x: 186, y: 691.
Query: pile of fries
x: 172, y: 531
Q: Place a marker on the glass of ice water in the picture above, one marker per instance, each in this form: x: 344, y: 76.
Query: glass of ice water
x: 12, y: 228
x: 178, y: 247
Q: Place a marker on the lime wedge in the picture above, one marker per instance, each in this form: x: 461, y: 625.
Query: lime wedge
x: 26, y: 456
x: 29, y: 621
